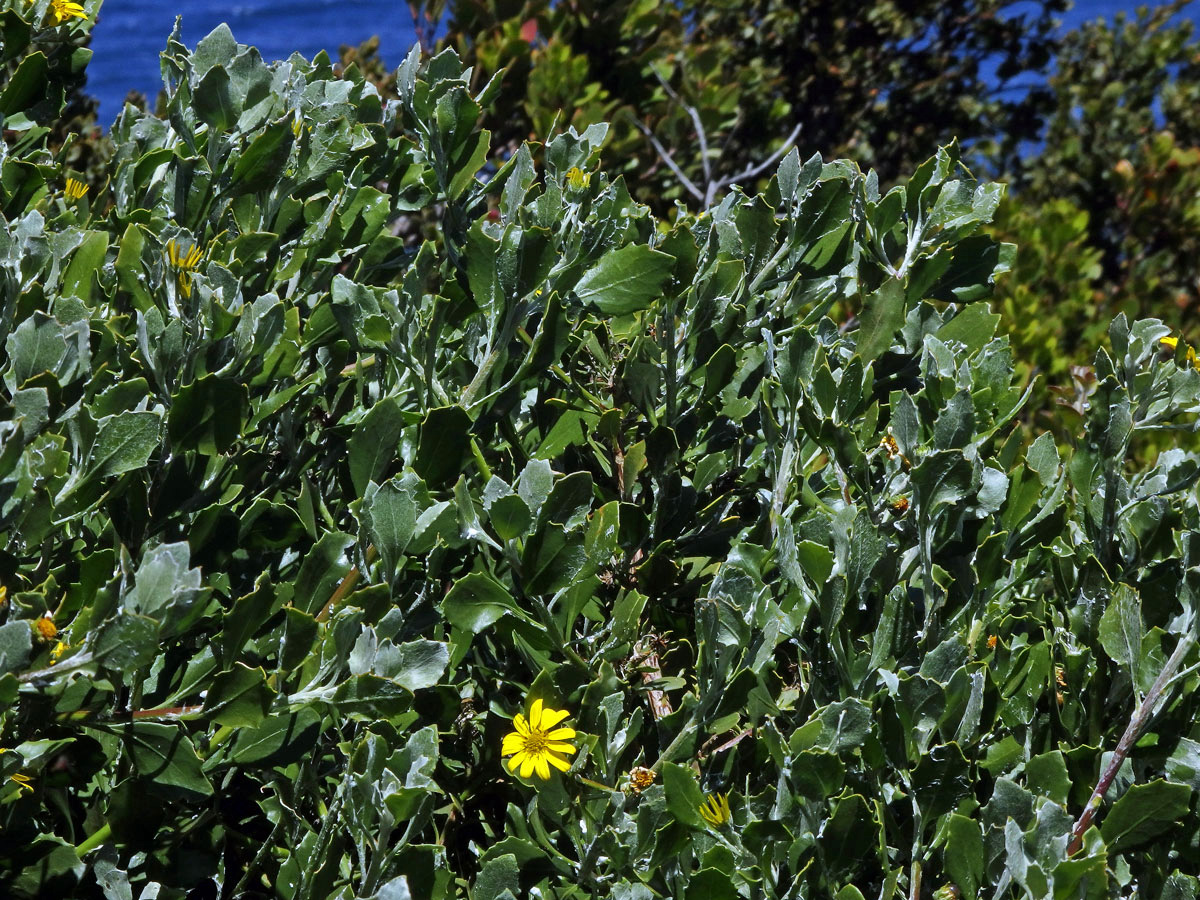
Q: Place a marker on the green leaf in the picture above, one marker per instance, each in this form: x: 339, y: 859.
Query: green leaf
x: 164, y: 587
x: 684, y: 797
x: 421, y: 664
x: 375, y: 442
x: 212, y: 101
x: 625, y: 280
x: 278, y: 741
x: 16, y: 642
x: 259, y: 167
x: 499, y: 876
x: 964, y: 855
x: 444, y: 444
x: 239, y: 698
x: 882, y: 315
x: 164, y: 756
x: 124, y: 442
x: 1121, y: 628
x: 1047, y: 775
x: 1144, y: 812
x: 476, y: 602
x: 389, y: 514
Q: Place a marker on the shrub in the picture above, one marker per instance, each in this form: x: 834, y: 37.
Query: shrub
x: 298, y: 519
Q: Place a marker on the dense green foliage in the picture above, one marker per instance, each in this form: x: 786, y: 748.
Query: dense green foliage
x: 302, y: 504
x: 1096, y: 130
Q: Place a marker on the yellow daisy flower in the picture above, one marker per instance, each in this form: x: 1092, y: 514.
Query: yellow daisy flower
x: 75, y: 189
x: 715, y: 810
x: 536, y: 744
x: 62, y: 10
x: 1173, y: 342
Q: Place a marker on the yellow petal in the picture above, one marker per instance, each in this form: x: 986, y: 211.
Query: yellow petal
x: 551, y: 717
x: 561, y: 764
x: 1171, y: 342
x: 528, y: 762
x: 535, y: 715
x: 513, y: 743
x: 559, y: 734
x: 543, y: 770
x: 516, y: 761
x: 560, y: 748
x: 519, y: 724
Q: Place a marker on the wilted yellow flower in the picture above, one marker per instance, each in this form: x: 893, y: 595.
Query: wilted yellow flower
x: 22, y: 782
x: 57, y: 651
x: 3, y: 595
x: 185, y: 263
x: 1173, y: 342
x: 577, y: 179
x: 715, y: 810
x: 45, y: 629
x: 179, y: 259
x: 534, y: 747
x: 62, y: 10
x: 991, y: 641
x: 75, y: 189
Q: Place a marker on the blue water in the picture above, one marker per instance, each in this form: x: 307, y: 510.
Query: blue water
x: 131, y: 33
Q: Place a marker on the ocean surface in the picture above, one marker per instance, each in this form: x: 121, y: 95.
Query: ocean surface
x: 131, y: 33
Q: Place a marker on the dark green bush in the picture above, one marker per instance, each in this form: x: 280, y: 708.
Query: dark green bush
x: 298, y: 517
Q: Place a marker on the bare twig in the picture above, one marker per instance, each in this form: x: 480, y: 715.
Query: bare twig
x: 1133, y: 731
x: 669, y: 160
x: 647, y: 659
x: 754, y: 171
x: 701, y: 136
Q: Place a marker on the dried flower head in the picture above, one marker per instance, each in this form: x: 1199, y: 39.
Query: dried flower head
x: 640, y: 778
x: 45, y: 629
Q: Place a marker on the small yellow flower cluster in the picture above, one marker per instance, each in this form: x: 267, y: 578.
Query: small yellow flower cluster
x: 184, y: 262
x: 75, y: 190
x: 536, y: 743
x: 1173, y: 342
x: 715, y: 810
x: 577, y: 179
x: 63, y: 10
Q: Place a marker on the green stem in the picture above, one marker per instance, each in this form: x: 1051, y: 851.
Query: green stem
x: 98, y: 837
x: 596, y: 784
x: 224, y: 733
x: 480, y: 462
